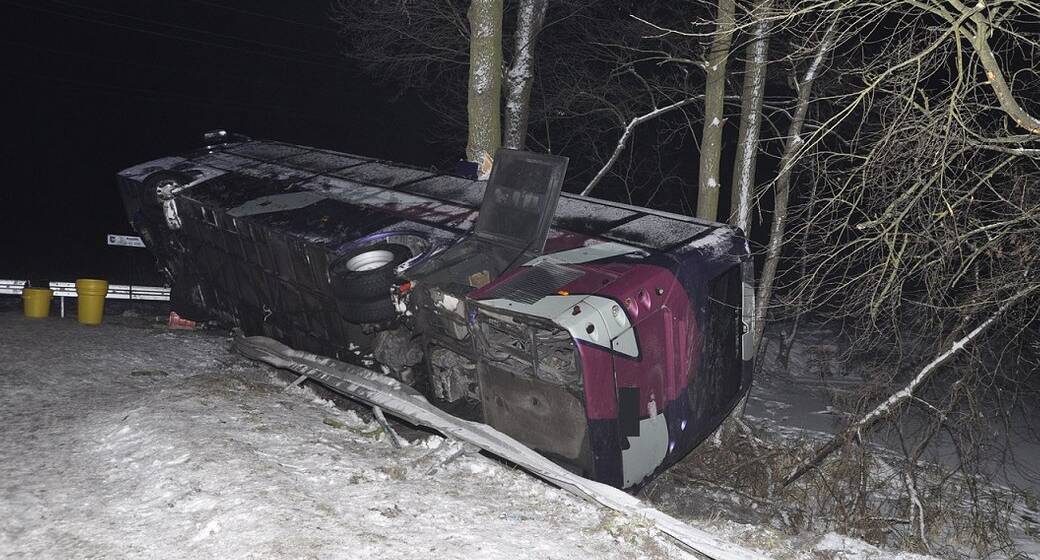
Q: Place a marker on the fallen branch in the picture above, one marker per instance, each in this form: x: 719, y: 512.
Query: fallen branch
x: 395, y: 440
x: 890, y: 404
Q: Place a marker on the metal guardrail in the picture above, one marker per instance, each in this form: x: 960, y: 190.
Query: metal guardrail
x: 115, y: 291
x: 63, y: 290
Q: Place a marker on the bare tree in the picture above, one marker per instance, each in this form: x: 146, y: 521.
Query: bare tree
x: 628, y: 132
x: 754, y: 90
x: 793, y: 146
x: 426, y: 46
x: 923, y: 235
x: 520, y: 75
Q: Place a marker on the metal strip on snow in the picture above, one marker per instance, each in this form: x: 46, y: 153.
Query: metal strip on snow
x: 389, y: 394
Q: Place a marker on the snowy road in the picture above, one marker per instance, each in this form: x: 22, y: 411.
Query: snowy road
x: 131, y: 441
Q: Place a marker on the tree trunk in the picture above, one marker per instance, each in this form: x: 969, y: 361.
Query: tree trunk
x: 485, y: 83
x: 750, y: 120
x: 714, y: 105
x: 520, y: 76
x: 792, y: 150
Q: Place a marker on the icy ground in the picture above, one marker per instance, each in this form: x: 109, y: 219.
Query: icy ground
x: 127, y: 440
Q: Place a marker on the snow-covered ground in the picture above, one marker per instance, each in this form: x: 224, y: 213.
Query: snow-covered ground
x: 122, y: 441
x: 128, y: 440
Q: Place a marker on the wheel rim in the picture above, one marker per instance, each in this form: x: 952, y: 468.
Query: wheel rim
x: 370, y: 260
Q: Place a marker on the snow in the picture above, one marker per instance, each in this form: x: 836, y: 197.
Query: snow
x: 841, y: 547
x: 388, y: 393
x: 582, y: 216
x: 655, y: 231
x: 521, y: 71
x: 225, y: 160
x: 355, y: 193
x: 274, y: 172
x: 483, y: 13
x: 381, y: 174
x: 445, y: 187
x: 267, y: 150
x: 322, y: 162
x: 123, y: 441
x: 482, y: 74
x: 715, y: 243
x: 128, y: 440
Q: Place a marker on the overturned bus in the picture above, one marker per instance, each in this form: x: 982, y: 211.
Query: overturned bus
x: 612, y: 339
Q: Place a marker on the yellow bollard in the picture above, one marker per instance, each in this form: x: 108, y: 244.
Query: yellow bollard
x: 37, y: 302
x: 90, y: 307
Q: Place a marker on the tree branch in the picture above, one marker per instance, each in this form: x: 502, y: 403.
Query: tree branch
x: 632, y: 124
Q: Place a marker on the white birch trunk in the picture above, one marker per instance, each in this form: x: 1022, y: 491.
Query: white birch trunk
x: 750, y: 120
x: 520, y: 76
x: 792, y: 150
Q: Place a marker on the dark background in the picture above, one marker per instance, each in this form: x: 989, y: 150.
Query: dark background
x: 95, y: 87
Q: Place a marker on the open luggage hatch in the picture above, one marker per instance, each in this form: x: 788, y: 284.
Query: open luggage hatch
x: 511, y: 229
x: 518, y: 207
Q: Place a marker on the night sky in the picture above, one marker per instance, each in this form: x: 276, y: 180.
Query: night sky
x: 94, y: 87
